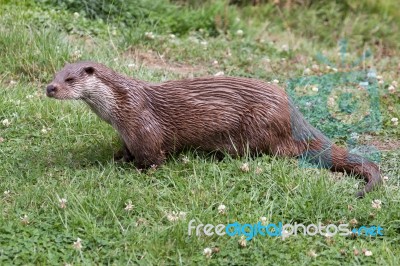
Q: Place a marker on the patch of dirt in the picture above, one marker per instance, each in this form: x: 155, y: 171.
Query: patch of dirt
x: 383, y: 144
x: 155, y: 61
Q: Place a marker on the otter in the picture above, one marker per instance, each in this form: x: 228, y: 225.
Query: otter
x: 233, y: 115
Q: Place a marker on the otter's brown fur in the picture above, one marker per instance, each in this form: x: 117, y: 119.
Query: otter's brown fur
x: 227, y: 114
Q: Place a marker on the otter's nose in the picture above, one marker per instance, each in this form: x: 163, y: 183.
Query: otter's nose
x: 51, y: 89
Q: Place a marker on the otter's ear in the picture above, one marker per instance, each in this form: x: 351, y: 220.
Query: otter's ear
x: 89, y: 70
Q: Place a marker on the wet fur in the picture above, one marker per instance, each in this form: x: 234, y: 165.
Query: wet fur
x: 228, y: 114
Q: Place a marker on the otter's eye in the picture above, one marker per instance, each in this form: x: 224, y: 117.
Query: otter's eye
x: 69, y: 80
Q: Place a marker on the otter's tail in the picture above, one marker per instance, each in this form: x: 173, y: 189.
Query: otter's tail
x: 316, y: 148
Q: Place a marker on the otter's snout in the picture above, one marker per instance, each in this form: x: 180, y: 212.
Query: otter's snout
x: 51, y: 90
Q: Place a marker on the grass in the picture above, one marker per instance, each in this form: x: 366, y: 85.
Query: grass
x: 52, y: 150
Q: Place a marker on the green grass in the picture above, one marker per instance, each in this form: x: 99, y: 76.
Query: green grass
x: 53, y: 150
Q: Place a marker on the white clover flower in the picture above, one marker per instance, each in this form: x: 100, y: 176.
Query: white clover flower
x: 207, y: 252
x: 193, y: 39
x: 353, y: 221
x: 395, y: 121
x: 131, y: 65
x: 128, y: 206
x: 204, y: 43
x: 172, y: 217
x: 285, y: 47
x: 354, y: 135
x: 25, y: 219
x: 315, y: 67
x: 376, y: 204
x: 368, y: 253
x: 275, y: 81
x: 63, y: 203
x: 258, y: 170
x: 78, y: 244
x: 76, y: 14
x: 245, y: 167
x: 312, y: 254
x: 315, y: 89
x: 239, y: 33
x: 6, y: 122
x: 263, y: 220
x: 307, y: 71
x: 391, y: 89
x: 386, y: 178
x: 221, y: 209
x: 77, y: 54
x: 215, y: 62
x: 176, y: 216
x: 242, y: 242
x: 7, y: 193
x: 185, y: 160
x: 140, y: 221
x: 371, y: 73
x: 149, y: 35
x: 219, y: 74
x: 394, y: 83
x: 182, y: 215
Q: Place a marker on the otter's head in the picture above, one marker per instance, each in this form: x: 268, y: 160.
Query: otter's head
x: 74, y: 81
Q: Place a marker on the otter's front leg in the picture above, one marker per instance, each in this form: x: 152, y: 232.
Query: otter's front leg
x: 124, y: 154
x: 148, y: 154
x: 146, y: 142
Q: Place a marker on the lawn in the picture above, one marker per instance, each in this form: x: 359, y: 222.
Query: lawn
x: 64, y: 200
